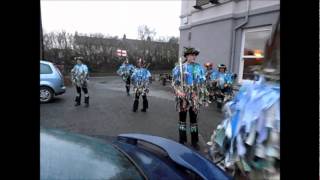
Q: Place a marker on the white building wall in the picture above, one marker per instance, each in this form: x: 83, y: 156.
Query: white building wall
x: 210, y: 11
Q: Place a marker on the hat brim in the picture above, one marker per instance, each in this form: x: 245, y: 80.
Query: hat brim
x: 194, y: 52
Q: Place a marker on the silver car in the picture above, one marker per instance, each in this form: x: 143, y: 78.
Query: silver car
x: 51, y: 81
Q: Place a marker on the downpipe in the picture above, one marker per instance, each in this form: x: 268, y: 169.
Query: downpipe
x: 234, y: 35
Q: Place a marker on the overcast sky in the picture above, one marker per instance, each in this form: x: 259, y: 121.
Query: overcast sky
x: 111, y: 17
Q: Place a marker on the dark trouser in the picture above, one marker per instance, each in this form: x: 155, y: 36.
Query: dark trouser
x: 78, y: 97
x: 136, y: 102
x: 226, y: 90
x: 193, y: 126
x: 128, y: 85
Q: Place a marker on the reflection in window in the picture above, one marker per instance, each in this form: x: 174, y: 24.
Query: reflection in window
x: 255, y: 42
x: 249, y: 65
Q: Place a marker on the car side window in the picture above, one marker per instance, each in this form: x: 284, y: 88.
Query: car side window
x: 45, y: 69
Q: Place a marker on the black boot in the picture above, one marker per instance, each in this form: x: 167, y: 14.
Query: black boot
x: 135, y: 105
x: 182, y: 132
x: 86, y: 101
x: 194, y: 133
x: 182, y: 127
x: 196, y: 146
x: 145, y: 104
x: 77, y: 101
x: 128, y: 90
x: 194, y: 128
x: 128, y: 85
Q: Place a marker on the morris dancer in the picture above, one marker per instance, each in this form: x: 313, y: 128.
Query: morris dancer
x: 140, y: 79
x: 125, y: 71
x: 79, y: 77
x: 188, y: 82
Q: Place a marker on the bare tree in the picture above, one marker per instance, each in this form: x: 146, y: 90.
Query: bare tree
x: 144, y: 32
x: 99, y: 51
x: 162, y: 39
x: 173, y: 40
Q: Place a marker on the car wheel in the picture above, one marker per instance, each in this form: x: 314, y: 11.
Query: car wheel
x: 46, y: 94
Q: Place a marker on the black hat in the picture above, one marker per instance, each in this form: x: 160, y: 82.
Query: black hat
x: 190, y: 50
x: 78, y: 58
x: 222, y: 66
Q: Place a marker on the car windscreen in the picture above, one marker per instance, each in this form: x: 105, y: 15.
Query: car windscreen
x: 65, y: 156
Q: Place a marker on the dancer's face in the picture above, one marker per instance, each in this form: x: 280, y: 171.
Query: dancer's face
x: 191, y: 58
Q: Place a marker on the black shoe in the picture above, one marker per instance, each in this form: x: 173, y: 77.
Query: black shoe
x: 86, y: 101
x: 134, y: 109
x: 196, y: 146
x: 143, y: 110
x: 135, y: 105
x: 182, y: 142
x: 77, y: 101
x: 145, y: 104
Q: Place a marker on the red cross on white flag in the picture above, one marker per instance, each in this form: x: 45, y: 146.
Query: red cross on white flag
x: 121, y: 52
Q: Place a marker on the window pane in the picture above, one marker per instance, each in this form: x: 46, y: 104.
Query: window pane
x: 45, y: 69
x: 255, y: 42
x: 249, y: 63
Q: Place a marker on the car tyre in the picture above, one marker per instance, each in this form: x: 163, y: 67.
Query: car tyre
x: 46, y: 94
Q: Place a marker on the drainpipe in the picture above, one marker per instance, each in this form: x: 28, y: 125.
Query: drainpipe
x: 231, y: 61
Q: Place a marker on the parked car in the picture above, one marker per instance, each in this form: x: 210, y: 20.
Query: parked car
x: 51, y: 82
x: 164, y: 78
x: 65, y: 155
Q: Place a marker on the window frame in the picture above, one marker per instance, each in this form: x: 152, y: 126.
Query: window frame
x: 242, y: 56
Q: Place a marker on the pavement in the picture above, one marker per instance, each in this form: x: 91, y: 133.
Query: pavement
x: 110, y: 112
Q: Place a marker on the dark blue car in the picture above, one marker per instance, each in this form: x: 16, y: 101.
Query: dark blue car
x: 129, y: 156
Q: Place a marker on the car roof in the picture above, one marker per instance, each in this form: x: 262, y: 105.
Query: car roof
x: 65, y: 155
x: 46, y: 62
x: 181, y: 155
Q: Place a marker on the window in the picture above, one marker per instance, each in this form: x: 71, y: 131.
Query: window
x: 185, y: 20
x: 201, y: 2
x: 45, y: 69
x: 252, y: 54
